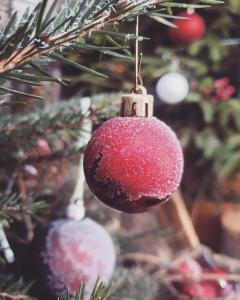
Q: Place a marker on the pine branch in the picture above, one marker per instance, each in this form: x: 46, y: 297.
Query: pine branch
x: 40, y: 35
x: 65, y: 115
x: 17, y: 289
x: 11, y: 208
x: 12, y: 288
x: 25, y: 130
x: 50, y: 119
x: 100, y: 292
x: 12, y: 297
x: 52, y: 39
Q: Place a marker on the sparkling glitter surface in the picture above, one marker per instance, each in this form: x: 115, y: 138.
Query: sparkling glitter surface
x: 132, y: 164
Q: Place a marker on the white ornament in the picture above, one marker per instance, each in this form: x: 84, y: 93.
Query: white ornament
x: 172, y: 88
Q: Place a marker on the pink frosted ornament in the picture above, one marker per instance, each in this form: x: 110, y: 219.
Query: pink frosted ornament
x: 75, y: 252
x: 135, y: 161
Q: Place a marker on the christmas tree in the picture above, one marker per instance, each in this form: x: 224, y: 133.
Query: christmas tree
x: 63, y: 68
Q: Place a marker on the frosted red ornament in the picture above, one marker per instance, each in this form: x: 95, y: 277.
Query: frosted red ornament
x: 133, y: 163
x: 75, y: 252
x: 187, y: 30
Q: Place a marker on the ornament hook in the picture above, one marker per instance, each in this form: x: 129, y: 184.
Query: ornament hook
x: 139, y: 89
x: 138, y: 103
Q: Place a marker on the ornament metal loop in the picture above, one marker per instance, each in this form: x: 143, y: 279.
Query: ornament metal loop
x: 139, y: 89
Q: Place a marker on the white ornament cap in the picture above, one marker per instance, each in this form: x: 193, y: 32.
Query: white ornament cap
x: 138, y: 104
x: 76, y: 211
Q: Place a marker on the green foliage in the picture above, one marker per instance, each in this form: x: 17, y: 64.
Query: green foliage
x: 133, y: 283
x: 49, y: 119
x: 27, y: 47
x: 12, y: 287
x: 40, y: 35
x: 234, y: 5
x: 11, y: 208
x: 17, y: 289
x: 62, y: 121
x: 100, y: 292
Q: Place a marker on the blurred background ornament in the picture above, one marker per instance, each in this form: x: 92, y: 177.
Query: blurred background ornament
x: 189, y: 28
x: 72, y: 252
x: 172, y: 88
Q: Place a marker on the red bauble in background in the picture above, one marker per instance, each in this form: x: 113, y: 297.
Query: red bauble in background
x: 73, y: 252
x: 133, y: 163
x: 196, y: 286
x: 187, y: 30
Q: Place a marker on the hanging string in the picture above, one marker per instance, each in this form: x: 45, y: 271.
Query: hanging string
x: 139, y: 69
x: 138, y: 59
x: 137, y: 53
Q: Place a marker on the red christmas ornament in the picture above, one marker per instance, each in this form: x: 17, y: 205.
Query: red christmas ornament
x: 190, y: 268
x: 74, y: 252
x: 187, y: 30
x: 43, y: 148
x: 133, y: 163
x: 195, y: 285
x: 223, y: 289
x: 220, y: 91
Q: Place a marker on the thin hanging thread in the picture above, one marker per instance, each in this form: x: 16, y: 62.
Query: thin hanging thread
x: 137, y: 52
x: 138, y: 59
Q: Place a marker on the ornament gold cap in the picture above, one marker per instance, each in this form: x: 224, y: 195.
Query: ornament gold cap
x: 137, y: 104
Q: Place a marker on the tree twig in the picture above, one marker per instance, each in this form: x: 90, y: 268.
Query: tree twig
x: 203, y: 277
x: 13, y: 297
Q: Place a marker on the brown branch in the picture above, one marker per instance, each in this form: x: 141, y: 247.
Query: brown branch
x: 203, y: 277
x: 13, y: 297
x: 141, y: 257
